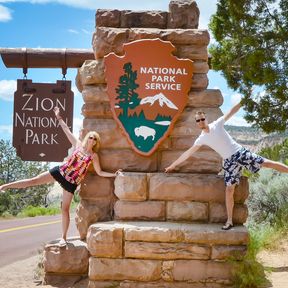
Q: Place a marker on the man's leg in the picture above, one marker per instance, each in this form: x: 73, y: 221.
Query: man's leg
x: 275, y: 165
x: 229, y: 199
x: 232, y: 174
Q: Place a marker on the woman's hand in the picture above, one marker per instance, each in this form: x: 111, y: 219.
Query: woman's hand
x: 119, y: 173
x: 57, y: 112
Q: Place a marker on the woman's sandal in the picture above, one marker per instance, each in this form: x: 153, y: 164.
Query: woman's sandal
x: 227, y: 226
x: 62, y: 242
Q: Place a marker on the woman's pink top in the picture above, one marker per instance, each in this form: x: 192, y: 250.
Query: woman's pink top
x: 76, y: 167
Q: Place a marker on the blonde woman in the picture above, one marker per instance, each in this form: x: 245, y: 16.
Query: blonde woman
x: 69, y: 174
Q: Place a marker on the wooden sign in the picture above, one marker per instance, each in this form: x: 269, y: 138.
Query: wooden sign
x: 148, y: 89
x: 37, y: 135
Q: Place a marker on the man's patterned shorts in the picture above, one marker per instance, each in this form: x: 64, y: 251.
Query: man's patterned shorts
x: 233, y: 165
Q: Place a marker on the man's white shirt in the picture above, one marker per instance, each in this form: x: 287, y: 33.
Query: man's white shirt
x: 218, y: 139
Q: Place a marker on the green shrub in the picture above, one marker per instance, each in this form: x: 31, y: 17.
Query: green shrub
x: 6, y: 215
x: 249, y: 273
x: 5, y: 202
x: 12, y: 168
x: 268, y: 199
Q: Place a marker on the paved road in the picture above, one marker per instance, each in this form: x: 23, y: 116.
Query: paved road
x: 23, y: 238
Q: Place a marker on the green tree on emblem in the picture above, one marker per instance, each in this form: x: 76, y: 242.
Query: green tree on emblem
x: 128, y: 98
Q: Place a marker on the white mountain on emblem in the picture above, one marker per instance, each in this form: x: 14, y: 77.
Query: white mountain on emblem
x: 161, y: 99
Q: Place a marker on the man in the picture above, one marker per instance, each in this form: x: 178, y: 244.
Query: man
x: 235, y: 156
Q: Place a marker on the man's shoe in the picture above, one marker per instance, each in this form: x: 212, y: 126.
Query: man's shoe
x: 227, y: 226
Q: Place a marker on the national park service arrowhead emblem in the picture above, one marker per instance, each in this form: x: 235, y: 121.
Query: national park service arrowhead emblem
x: 148, y: 89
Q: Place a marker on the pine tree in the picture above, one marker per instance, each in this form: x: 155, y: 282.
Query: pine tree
x: 251, y: 49
x: 128, y: 98
x: 12, y: 168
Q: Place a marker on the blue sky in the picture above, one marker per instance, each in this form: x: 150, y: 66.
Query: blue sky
x: 70, y: 24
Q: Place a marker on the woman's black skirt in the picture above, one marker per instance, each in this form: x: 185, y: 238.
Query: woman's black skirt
x: 66, y: 185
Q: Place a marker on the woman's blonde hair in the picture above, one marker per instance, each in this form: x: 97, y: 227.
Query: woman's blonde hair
x: 94, y: 134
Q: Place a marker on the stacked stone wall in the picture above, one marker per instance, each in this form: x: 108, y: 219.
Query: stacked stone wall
x: 177, y: 197
x: 143, y: 254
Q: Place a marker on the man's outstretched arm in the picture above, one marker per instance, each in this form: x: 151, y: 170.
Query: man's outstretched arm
x: 233, y: 111
x: 182, y: 158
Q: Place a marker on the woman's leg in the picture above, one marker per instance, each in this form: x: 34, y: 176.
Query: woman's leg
x: 275, y: 165
x: 43, y: 178
x: 66, y: 202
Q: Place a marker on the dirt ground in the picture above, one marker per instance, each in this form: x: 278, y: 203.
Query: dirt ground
x: 27, y: 274
x: 276, y: 262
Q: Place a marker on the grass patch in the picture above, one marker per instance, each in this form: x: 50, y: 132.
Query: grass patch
x: 31, y: 211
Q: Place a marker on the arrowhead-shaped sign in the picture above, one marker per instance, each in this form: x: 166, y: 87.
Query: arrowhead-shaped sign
x: 148, y: 89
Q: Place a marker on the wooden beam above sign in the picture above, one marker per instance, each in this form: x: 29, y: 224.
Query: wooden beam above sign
x: 45, y: 57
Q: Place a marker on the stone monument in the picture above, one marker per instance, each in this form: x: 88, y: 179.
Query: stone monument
x: 151, y: 229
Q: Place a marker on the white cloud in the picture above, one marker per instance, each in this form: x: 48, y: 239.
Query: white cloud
x: 6, y: 129
x: 7, y: 89
x: 77, y: 125
x: 73, y: 31
x: 207, y: 8
x: 236, y: 98
x: 237, y: 121
x: 134, y: 5
x: 262, y: 93
x: 5, y: 14
x: 86, y: 31
x: 93, y: 5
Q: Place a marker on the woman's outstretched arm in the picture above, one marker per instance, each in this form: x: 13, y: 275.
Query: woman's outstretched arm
x: 73, y: 140
x: 100, y: 172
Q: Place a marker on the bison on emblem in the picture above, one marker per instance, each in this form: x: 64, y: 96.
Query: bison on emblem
x: 145, y: 132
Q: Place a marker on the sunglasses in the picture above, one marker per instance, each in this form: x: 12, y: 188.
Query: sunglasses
x: 91, y: 137
x: 198, y: 120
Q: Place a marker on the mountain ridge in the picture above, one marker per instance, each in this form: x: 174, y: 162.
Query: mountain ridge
x: 254, y: 138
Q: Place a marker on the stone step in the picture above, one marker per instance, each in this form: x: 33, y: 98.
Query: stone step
x: 158, y: 284
x: 107, y: 238
x: 69, y: 262
x: 177, y: 197
x: 163, y: 252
